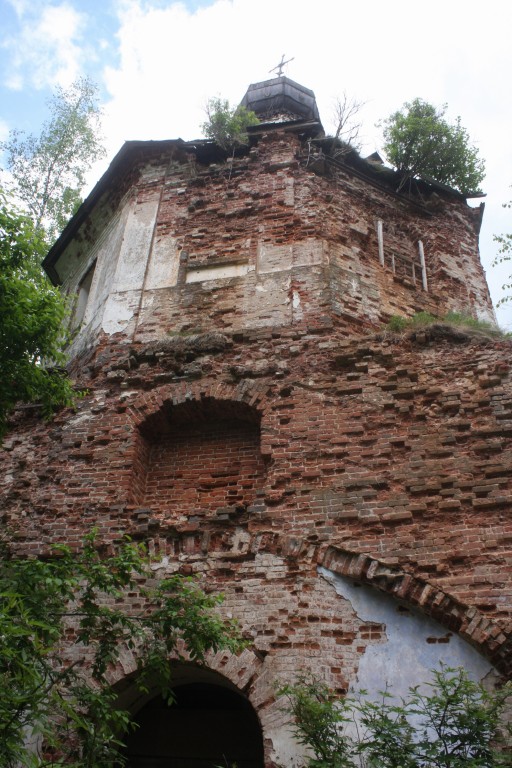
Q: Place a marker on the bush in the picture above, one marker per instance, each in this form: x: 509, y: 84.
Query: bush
x: 227, y: 126
x: 398, y: 324
x: 450, y: 722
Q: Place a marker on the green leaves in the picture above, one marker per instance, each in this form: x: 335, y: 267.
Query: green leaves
x: 49, y: 170
x: 450, y: 722
x: 47, y: 173
x: 447, y: 723
x: 320, y: 723
x: 504, y: 254
x: 420, y: 142
x: 32, y: 314
x: 64, y: 701
x: 227, y: 126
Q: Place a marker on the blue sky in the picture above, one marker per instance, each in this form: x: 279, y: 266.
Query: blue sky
x: 157, y: 62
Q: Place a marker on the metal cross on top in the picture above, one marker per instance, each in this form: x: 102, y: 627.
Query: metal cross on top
x: 281, y: 65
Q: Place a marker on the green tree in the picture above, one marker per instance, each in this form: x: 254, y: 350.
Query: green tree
x: 31, y: 320
x: 321, y: 722
x: 504, y: 254
x: 450, y: 722
x: 419, y: 141
x: 61, y: 710
x: 48, y: 171
x: 227, y: 126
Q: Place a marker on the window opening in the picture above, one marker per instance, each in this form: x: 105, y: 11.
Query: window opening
x: 84, y: 289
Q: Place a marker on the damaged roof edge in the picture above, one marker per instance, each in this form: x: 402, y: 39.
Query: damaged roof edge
x: 370, y: 170
x: 120, y: 160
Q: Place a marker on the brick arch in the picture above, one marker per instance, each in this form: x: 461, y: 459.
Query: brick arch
x: 491, y: 640
x: 222, y: 672
x: 253, y: 394
x: 198, y: 454
x: 242, y: 670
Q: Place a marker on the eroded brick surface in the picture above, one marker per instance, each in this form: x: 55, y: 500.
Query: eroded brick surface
x: 393, y: 447
x: 254, y: 427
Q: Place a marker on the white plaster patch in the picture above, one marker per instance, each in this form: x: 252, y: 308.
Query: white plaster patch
x: 285, y: 750
x: 217, y: 272
x: 405, y: 658
x: 163, y: 265
x: 80, y: 418
x: 274, y: 258
x: 129, y: 395
x: 135, y: 247
x: 289, y: 192
x: 118, y: 313
x: 309, y: 252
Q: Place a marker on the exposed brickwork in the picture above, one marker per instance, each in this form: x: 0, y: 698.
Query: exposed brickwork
x: 201, y: 466
x: 459, y: 617
x: 401, y: 447
x: 271, y: 239
x: 252, y: 428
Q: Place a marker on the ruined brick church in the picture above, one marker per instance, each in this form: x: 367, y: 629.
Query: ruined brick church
x: 251, y: 418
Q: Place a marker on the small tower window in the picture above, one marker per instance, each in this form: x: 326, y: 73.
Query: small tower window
x: 84, y: 289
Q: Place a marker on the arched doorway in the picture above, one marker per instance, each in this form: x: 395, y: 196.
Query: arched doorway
x: 209, y: 724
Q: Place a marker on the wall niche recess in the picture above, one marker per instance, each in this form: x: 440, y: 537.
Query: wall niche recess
x: 198, y: 458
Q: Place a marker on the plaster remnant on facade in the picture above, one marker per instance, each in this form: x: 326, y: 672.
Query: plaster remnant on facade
x: 412, y: 644
x: 119, y: 310
x: 249, y: 416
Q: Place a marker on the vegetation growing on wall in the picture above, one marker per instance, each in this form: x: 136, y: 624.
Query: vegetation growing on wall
x: 59, y: 710
x: 419, y: 141
x: 450, y: 722
x: 226, y: 125
x: 455, y: 319
x: 347, y: 122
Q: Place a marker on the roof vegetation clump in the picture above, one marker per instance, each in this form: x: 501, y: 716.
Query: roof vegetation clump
x: 226, y: 125
x: 420, y: 142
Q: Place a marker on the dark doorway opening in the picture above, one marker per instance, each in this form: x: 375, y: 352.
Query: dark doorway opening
x: 208, y: 725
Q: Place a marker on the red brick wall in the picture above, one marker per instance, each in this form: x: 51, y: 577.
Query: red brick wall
x: 246, y: 456
x: 399, y: 448
x: 203, y: 467
x: 394, y: 450
x: 308, y: 242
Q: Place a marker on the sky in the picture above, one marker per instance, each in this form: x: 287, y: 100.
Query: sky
x: 156, y: 62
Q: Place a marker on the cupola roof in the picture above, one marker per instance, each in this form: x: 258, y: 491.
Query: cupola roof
x: 281, y: 100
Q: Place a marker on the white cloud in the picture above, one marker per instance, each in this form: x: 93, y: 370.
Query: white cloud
x: 46, y: 51
x: 172, y: 59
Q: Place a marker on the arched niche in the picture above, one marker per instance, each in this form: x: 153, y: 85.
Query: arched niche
x: 210, y: 723
x: 198, y: 457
